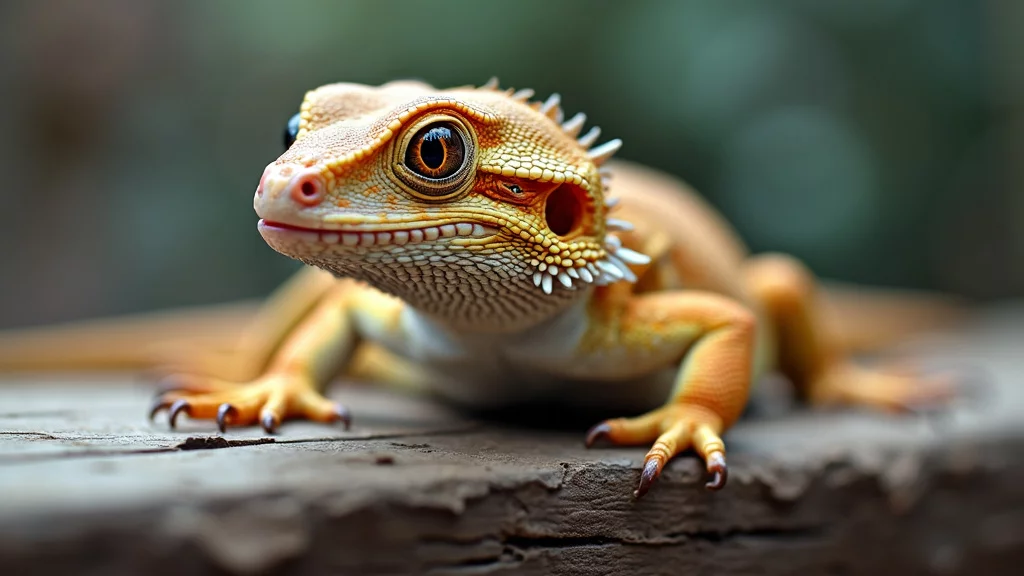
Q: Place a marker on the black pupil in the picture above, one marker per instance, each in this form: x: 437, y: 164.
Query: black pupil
x: 432, y: 149
x: 291, y: 131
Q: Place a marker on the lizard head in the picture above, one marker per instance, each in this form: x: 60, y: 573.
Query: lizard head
x: 476, y: 206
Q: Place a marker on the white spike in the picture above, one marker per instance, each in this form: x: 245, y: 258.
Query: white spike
x: 612, y: 242
x: 588, y: 139
x: 572, y: 273
x: 602, y: 153
x: 553, y: 270
x: 593, y: 269
x: 609, y: 269
x: 537, y: 277
x: 491, y: 84
x: 546, y: 284
x: 565, y: 280
x: 550, y: 106
x: 523, y: 95
x: 618, y: 225
x: 573, y: 126
x: 627, y: 274
x: 632, y: 256
x: 586, y: 276
x: 610, y: 203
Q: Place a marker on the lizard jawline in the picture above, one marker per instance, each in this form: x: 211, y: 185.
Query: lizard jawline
x: 380, y: 236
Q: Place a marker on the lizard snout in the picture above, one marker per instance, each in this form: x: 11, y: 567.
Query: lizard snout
x: 285, y: 187
x: 303, y: 185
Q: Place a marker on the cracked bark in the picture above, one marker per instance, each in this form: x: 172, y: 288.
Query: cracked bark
x: 89, y: 488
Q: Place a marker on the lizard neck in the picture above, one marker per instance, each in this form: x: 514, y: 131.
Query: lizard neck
x: 515, y: 309
x: 506, y: 307
x: 563, y: 328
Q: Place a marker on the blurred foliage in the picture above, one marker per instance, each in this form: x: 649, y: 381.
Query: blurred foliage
x: 876, y: 139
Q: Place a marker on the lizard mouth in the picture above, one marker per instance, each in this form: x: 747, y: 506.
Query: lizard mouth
x: 364, y: 236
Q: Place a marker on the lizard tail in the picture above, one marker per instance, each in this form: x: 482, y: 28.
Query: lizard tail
x: 230, y: 341
x: 860, y: 319
x: 134, y: 342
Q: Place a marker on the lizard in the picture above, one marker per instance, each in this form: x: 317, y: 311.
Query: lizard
x: 479, y: 236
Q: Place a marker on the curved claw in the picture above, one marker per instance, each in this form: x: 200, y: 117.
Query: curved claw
x: 225, y: 412
x: 652, y: 468
x: 341, y: 413
x: 269, y: 423
x: 598, y: 432
x: 159, y: 403
x: 719, y: 470
x: 178, y: 407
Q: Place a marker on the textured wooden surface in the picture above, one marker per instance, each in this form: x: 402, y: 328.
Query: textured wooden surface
x: 88, y: 486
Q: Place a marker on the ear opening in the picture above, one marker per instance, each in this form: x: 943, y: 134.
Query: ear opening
x: 563, y: 210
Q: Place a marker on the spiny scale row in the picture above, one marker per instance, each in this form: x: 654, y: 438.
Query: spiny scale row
x: 612, y: 268
x: 552, y: 109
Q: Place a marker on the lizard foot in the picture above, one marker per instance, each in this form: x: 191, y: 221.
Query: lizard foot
x: 673, y: 429
x: 899, y: 388
x: 268, y: 400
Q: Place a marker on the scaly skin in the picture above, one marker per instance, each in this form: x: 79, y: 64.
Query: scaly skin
x: 496, y: 269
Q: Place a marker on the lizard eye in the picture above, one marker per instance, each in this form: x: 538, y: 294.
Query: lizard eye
x: 435, y: 161
x: 436, y: 151
x: 291, y: 130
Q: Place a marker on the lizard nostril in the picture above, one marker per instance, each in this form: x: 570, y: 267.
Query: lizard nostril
x: 308, y: 190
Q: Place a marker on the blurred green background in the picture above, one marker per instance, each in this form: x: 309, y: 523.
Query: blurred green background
x: 880, y: 140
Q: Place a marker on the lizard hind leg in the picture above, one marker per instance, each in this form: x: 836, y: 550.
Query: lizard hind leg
x: 818, y: 367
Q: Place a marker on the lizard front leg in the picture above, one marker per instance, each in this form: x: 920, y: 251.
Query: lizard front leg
x: 714, y: 337
x: 291, y: 386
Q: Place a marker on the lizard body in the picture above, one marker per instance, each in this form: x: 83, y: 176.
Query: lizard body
x: 477, y: 235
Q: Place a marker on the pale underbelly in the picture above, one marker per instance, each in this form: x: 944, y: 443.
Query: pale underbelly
x: 552, y: 364
x: 496, y: 382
